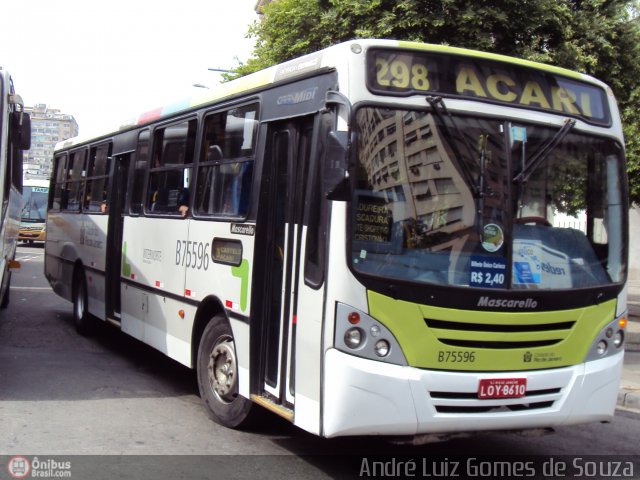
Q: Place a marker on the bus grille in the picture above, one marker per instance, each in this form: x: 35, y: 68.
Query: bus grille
x: 467, y: 403
x: 496, y: 336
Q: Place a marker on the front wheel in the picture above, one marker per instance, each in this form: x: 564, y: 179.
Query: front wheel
x: 217, y: 370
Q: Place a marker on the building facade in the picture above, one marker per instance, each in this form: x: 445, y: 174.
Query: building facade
x: 48, y: 127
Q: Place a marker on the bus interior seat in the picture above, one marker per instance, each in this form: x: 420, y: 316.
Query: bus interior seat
x: 214, y: 154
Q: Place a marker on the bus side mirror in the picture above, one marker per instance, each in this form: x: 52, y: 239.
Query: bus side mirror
x: 21, y: 130
x: 336, y: 174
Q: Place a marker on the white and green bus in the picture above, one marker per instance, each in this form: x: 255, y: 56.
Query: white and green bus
x: 35, y: 194
x: 15, y: 137
x: 364, y: 240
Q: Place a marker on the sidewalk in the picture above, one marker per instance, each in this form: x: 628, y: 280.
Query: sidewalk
x: 629, y: 395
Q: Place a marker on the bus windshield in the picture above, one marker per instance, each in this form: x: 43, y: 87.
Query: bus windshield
x: 479, y: 202
x: 35, y: 204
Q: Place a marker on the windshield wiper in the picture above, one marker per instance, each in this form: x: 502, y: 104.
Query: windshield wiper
x: 544, y: 151
x: 436, y: 102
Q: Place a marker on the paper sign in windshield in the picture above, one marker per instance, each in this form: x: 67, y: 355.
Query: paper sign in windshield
x: 373, y: 220
x: 492, y: 237
x: 526, y: 263
x: 535, y: 263
x: 487, y: 272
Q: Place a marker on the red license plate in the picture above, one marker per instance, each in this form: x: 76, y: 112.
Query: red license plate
x: 502, y: 388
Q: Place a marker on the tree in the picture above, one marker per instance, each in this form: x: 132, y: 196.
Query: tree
x: 597, y: 37
x: 631, y: 122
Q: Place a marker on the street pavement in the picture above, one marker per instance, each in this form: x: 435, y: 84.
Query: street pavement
x: 629, y: 395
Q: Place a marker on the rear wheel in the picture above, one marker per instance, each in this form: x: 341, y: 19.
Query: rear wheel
x: 6, y: 297
x: 81, y: 317
x: 218, y: 376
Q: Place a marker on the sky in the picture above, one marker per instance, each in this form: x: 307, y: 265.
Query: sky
x: 106, y: 62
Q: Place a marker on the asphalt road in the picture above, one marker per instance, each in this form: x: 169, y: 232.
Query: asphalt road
x: 64, y: 395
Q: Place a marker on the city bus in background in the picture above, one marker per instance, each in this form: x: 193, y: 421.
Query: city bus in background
x: 35, y: 194
x: 364, y: 240
x: 15, y: 137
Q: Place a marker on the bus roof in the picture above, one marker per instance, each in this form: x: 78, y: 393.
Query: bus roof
x: 327, y: 58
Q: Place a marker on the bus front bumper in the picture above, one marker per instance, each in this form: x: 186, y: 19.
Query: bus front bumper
x: 365, y: 397
x: 26, y: 235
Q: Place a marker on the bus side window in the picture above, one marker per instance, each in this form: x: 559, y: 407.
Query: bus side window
x: 225, y: 189
x: 225, y: 171
x: 139, y: 168
x: 59, y: 176
x: 13, y: 172
x: 95, y: 199
x: 74, y: 186
x: 170, y: 173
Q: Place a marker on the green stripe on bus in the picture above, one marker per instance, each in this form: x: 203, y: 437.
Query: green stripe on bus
x: 570, y: 332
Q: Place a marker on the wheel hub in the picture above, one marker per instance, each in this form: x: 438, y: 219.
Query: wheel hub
x: 222, y: 371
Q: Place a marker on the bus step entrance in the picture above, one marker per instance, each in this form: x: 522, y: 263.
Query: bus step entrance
x: 114, y: 321
x: 267, y: 403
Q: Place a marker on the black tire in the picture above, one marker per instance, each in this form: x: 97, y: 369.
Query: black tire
x: 217, y: 370
x: 81, y: 317
x: 6, y: 297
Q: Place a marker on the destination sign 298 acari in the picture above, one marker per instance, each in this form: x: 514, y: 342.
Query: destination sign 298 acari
x: 403, y: 73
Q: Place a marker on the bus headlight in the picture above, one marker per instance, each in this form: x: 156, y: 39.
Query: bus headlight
x: 382, y: 348
x: 356, y: 333
x: 618, y: 339
x: 353, y: 338
x: 608, y: 342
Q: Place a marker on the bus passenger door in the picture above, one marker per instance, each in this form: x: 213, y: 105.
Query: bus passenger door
x: 114, y: 236
x: 278, y: 261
